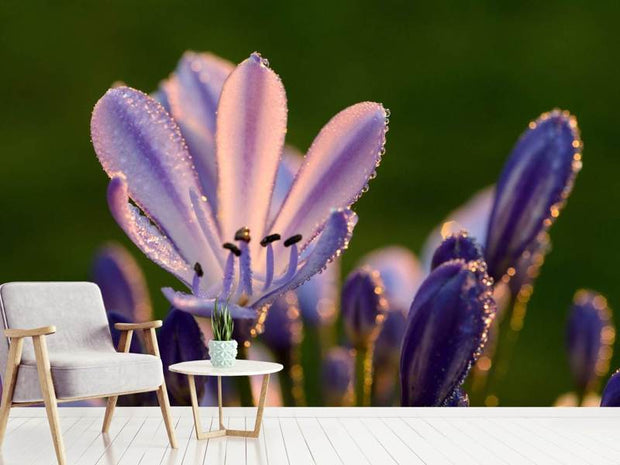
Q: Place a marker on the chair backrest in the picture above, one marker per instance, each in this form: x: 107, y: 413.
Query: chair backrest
x: 75, y: 308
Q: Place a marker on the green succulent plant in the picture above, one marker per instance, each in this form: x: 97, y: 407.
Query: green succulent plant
x: 222, y: 323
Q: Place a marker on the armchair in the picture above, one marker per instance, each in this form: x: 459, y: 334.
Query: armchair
x: 58, y: 348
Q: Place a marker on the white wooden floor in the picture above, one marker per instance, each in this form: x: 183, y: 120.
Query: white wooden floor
x: 330, y: 436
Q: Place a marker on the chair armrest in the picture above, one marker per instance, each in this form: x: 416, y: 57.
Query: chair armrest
x: 30, y: 332
x: 137, y: 326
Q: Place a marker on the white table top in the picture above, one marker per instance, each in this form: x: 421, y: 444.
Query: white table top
x: 241, y: 368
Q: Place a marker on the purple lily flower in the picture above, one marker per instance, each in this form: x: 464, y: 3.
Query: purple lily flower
x: 446, y: 330
x: 176, y: 224
x: 457, y: 245
x: 363, y: 306
x: 533, y: 187
x: 590, y: 335
x: 611, y: 393
x: 458, y: 399
x: 338, y: 377
x: 180, y: 340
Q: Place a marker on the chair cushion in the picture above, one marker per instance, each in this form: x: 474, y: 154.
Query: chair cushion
x: 90, y: 374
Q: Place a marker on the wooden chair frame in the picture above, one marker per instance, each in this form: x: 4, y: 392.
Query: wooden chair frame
x: 50, y: 400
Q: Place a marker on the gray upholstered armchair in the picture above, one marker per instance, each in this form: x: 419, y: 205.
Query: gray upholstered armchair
x: 58, y: 348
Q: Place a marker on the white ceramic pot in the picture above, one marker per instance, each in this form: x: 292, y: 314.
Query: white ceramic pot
x: 223, y: 353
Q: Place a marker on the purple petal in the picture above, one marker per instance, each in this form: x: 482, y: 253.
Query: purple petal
x: 386, y: 357
x: 283, y: 326
x: 122, y: 283
x: 202, y: 307
x: 337, y: 376
x: 590, y: 335
x: 318, y: 297
x: 135, y: 137
x: 611, y: 393
x: 143, y: 233
x: 473, y: 216
x: 446, y: 329
x: 534, y: 185
x: 192, y: 93
x: 400, y: 271
x: 251, y: 124
x: 363, y: 306
x: 329, y: 245
x: 336, y: 170
x: 457, y: 245
x: 180, y: 340
x: 287, y: 170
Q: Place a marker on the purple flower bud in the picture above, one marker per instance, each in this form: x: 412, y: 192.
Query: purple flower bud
x: 386, y: 357
x: 400, y: 272
x: 533, y: 186
x: 611, y: 393
x: 446, y: 330
x: 180, y: 340
x: 457, y: 245
x: 363, y: 306
x: 590, y: 336
x: 338, y: 377
x: 318, y: 298
x: 122, y: 283
x: 283, y: 328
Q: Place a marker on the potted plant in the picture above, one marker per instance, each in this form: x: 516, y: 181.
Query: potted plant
x: 222, y: 348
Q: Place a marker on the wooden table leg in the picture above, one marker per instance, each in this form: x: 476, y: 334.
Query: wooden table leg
x: 219, y: 401
x: 200, y: 434
x: 259, y: 414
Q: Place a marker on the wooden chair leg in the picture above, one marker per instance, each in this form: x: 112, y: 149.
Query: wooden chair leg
x: 109, y: 411
x: 10, y: 377
x: 49, y: 396
x: 150, y: 339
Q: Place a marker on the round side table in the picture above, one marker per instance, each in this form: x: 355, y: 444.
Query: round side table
x: 241, y: 368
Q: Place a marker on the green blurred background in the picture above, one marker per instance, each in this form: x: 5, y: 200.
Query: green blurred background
x: 462, y: 80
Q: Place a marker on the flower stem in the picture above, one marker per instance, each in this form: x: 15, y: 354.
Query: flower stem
x: 363, y: 375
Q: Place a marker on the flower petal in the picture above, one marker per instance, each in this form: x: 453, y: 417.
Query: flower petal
x: 192, y: 93
x: 472, y: 216
x: 336, y: 170
x: 144, y: 234
x: 446, y: 329
x: 400, y: 271
x: 251, y: 124
x: 122, y: 283
x: 202, y: 306
x: 180, y: 340
x: 337, y: 375
x: 534, y: 185
x: 287, y: 170
x: 330, y: 244
x: 590, y: 335
x: 133, y: 135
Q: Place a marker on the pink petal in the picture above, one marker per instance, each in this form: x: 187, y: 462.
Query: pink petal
x: 251, y: 124
x: 339, y: 164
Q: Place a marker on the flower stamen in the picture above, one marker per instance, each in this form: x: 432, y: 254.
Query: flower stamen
x: 266, y: 242
x: 245, y: 262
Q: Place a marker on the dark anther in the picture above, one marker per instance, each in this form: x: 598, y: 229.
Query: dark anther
x: 198, y: 270
x: 233, y: 248
x: 269, y: 239
x: 243, y: 234
x: 292, y: 240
